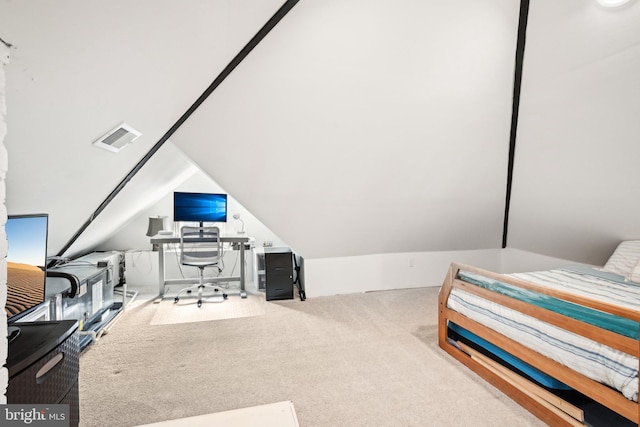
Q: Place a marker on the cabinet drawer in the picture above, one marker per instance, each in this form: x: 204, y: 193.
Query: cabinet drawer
x: 279, y: 293
x: 279, y: 271
x: 279, y: 287
x: 50, y: 378
x: 279, y: 260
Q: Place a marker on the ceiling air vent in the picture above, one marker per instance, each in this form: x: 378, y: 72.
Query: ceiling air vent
x: 117, y: 138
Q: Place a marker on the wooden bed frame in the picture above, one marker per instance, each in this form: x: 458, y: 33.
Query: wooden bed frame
x: 547, y: 407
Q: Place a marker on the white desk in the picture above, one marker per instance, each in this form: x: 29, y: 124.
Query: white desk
x: 162, y: 239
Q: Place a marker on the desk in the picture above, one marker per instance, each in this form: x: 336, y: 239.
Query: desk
x: 163, y: 239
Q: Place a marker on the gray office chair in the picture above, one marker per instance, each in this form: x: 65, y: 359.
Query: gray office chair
x: 200, y: 247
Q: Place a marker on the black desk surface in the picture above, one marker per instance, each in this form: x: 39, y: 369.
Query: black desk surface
x: 36, y: 340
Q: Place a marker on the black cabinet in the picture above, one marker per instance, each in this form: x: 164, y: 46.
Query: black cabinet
x: 43, y: 363
x: 278, y: 264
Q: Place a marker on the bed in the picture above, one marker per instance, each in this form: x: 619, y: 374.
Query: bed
x: 545, y: 337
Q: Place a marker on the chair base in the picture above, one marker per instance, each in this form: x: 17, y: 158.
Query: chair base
x: 200, y: 289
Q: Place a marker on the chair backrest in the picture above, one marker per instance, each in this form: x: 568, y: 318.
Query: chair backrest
x: 200, y: 246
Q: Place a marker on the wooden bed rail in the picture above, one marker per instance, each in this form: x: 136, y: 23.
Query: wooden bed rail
x: 603, y: 394
x: 580, y: 300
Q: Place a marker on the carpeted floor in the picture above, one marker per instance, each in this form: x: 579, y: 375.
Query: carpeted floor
x: 367, y: 359
x: 213, y: 308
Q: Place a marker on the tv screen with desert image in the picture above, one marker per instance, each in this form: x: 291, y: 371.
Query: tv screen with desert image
x: 26, y: 263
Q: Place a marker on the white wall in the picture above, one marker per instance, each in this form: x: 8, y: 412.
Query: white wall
x: 369, y: 127
x: 576, y: 191
x: 133, y: 235
x: 142, y: 263
x: 515, y: 260
x: 331, y: 276
x: 4, y: 374
x: 167, y: 169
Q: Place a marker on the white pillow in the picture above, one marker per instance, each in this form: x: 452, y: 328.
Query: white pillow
x: 634, y: 276
x: 623, y: 260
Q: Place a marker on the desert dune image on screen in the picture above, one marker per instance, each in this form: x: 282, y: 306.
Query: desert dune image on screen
x: 26, y: 258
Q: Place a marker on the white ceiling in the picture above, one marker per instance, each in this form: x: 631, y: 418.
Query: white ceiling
x: 355, y: 127
x: 78, y: 68
x: 362, y: 125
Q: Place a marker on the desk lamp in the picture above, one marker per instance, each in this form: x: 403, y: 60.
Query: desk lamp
x: 156, y: 224
x: 237, y: 217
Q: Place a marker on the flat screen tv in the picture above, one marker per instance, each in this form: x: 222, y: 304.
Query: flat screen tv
x: 26, y: 263
x: 200, y: 207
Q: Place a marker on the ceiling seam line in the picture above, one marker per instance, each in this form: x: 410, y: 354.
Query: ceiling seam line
x: 517, y: 84
x: 244, y: 52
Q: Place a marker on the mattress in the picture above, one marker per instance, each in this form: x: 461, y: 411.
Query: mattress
x: 592, y: 359
x: 497, y: 353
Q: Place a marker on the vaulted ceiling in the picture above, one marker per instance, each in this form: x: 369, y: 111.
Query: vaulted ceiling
x: 355, y: 127
x: 78, y: 69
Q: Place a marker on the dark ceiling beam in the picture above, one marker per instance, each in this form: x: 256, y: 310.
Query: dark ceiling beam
x: 261, y: 34
x: 517, y: 83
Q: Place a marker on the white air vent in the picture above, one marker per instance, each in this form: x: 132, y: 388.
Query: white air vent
x: 117, y: 138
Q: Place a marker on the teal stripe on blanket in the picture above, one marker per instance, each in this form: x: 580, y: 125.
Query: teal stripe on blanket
x: 610, y: 322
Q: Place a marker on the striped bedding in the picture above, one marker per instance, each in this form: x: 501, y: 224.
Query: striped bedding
x: 594, y: 360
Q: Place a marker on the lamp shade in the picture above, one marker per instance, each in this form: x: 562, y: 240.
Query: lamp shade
x: 156, y: 224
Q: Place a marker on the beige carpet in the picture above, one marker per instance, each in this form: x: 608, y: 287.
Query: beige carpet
x: 213, y: 308
x: 354, y: 360
x: 281, y: 414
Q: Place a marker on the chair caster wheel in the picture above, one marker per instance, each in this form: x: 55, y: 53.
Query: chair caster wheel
x: 199, y: 303
x: 189, y: 291
x: 225, y: 296
x: 175, y: 300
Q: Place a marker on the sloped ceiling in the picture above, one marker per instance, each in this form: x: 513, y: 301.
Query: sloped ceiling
x: 165, y: 171
x: 355, y: 127
x: 576, y: 188
x: 361, y: 127
x: 78, y: 68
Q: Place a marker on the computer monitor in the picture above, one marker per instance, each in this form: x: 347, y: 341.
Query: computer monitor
x: 26, y: 264
x: 199, y: 207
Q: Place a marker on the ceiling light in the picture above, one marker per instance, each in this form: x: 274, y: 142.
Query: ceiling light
x: 613, y: 3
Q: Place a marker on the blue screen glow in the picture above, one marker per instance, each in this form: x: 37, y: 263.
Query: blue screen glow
x: 202, y: 207
x: 26, y: 263
x: 27, y: 238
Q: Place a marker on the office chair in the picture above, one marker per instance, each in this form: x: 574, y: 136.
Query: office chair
x: 200, y: 247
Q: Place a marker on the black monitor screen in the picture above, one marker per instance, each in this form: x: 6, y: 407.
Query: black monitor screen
x: 202, y: 207
x: 26, y: 263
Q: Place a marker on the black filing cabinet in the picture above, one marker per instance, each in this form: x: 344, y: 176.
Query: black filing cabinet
x: 43, y: 363
x: 278, y: 264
